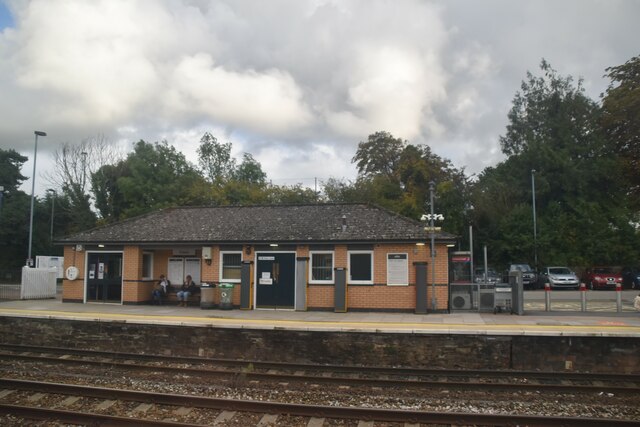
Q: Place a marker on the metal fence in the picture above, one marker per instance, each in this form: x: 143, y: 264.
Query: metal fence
x: 28, y: 283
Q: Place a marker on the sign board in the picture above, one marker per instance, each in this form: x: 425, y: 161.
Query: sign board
x: 397, y: 269
x: 266, y: 258
x: 432, y: 229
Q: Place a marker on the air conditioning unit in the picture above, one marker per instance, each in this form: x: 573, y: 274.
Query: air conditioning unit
x: 486, y: 299
x: 461, y: 301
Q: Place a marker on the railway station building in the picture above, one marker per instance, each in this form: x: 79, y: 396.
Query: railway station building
x: 334, y: 257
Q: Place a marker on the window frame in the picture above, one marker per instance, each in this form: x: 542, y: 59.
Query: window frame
x: 150, y: 255
x: 360, y: 282
x: 406, y: 270
x: 333, y: 263
x: 221, y: 275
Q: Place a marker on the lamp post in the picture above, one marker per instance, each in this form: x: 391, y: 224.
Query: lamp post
x: 53, y: 202
x: 1, y: 196
x: 33, y: 188
x: 535, y: 225
x: 432, y: 230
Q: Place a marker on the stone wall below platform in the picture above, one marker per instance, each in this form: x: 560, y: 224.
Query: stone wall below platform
x: 448, y: 351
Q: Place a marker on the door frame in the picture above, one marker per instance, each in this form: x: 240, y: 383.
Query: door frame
x: 255, y: 293
x: 86, y: 276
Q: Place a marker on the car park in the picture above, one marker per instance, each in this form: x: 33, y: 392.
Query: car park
x: 631, y: 277
x: 603, y: 278
x: 559, y: 278
x: 529, y: 277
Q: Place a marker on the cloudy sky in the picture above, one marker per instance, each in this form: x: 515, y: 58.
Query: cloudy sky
x: 295, y: 83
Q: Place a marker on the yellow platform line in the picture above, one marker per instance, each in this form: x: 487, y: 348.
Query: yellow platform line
x: 318, y: 323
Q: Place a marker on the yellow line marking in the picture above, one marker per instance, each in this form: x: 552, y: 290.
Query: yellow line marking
x: 342, y: 324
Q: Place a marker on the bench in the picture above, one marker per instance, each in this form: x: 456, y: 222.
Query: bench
x: 172, y: 298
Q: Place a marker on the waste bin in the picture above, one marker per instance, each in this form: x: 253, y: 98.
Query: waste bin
x: 226, y: 296
x: 207, y: 294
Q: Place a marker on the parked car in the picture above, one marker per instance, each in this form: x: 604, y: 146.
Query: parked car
x: 631, y: 277
x: 529, y: 277
x: 559, y: 278
x: 492, y: 277
x: 603, y: 278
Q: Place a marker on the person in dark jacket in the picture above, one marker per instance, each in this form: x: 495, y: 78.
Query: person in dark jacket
x: 188, y: 288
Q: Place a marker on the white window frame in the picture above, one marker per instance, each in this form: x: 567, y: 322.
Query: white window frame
x: 333, y: 263
x: 150, y: 265
x: 406, y: 270
x: 360, y: 282
x: 222, y: 254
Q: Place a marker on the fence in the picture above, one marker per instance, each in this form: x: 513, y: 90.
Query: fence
x: 38, y: 283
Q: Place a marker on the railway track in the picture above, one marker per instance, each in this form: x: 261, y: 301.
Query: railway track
x: 232, y: 370
x: 180, y: 406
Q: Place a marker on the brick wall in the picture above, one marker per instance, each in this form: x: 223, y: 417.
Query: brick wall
x: 452, y: 351
x: 376, y: 296
x: 73, y: 290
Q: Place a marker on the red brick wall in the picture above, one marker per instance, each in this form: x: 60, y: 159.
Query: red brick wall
x: 377, y: 296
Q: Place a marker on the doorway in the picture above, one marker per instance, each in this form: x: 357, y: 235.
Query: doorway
x: 275, y: 280
x: 104, y: 277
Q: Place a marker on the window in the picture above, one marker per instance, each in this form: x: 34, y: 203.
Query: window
x: 147, y: 265
x: 230, y: 266
x: 397, y: 269
x: 321, y: 270
x: 361, y: 267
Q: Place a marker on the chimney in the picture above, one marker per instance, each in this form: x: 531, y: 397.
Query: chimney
x: 344, y: 223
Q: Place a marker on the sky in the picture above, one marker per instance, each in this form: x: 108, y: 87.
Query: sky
x: 297, y: 84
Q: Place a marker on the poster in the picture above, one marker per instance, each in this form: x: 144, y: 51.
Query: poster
x: 101, y: 271
x: 397, y: 269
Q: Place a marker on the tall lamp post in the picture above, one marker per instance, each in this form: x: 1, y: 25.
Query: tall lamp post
x: 53, y: 202
x: 535, y: 225
x: 1, y: 196
x: 33, y: 188
x: 432, y: 230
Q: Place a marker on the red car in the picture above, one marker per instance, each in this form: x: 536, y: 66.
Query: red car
x: 603, y: 278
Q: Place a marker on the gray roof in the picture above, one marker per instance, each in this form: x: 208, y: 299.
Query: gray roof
x: 320, y: 223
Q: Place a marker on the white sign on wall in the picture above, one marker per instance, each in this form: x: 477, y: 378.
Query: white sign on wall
x: 397, y: 269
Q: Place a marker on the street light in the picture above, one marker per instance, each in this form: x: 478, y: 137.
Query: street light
x: 1, y: 196
x: 33, y: 188
x: 432, y: 217
x: 535, y: 225
x: 53, y: 202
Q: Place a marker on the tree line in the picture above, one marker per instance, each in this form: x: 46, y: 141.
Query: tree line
x: 582, y: 154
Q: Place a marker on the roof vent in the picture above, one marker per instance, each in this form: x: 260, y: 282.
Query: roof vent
x: 344, y: 223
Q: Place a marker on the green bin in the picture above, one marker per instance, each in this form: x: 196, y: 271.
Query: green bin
x: 226, y: 296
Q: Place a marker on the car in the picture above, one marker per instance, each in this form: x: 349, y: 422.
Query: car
x: 603, y: 278
x: 559, y: 278
x: 492, y: 277
x: 529, y: 277
x: 631, y: 277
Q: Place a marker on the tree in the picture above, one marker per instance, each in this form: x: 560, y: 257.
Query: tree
x: 380, y: 154
x: 621, y: 119
x: 153, y: 176
x: 553, y: 128
x: 250, y: 171
x: 215, y: 159
x: 14, y: 215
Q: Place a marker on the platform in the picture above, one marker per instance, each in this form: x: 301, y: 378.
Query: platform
x: 625, y: 324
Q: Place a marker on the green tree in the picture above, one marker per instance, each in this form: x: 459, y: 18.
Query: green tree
x: 215, y: 159
x: 152, y: 177
x: 553, y: 129
x: 250, y: 171
x: 621, y: 119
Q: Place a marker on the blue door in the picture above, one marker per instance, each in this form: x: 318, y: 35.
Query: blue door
x: 275, y: 280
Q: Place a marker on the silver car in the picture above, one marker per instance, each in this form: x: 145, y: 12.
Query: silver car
x: 560, y: 278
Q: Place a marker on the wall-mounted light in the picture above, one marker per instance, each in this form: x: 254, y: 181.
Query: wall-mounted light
x: 274, y: 245
x: 420, y: 244
x: 101, y: 245
x: 451, y: 245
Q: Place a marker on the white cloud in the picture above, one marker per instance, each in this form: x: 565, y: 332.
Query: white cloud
x: 295, y: 80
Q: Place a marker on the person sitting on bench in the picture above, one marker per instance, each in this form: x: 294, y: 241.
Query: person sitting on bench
x: 188, y: 288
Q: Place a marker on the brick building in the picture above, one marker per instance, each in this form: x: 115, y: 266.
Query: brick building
x: 303, y: 257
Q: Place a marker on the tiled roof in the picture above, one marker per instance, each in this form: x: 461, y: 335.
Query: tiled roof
x: 261, y: 224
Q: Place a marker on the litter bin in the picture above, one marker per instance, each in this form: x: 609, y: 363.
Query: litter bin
x: 226, y: 296
x: 207, y: 293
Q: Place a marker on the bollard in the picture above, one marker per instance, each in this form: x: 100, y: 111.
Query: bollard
x: 583, y: 296
x: 619, y: 297
x: 547, y: 297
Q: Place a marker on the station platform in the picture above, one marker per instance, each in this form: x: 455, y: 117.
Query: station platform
x: 537, y: 323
